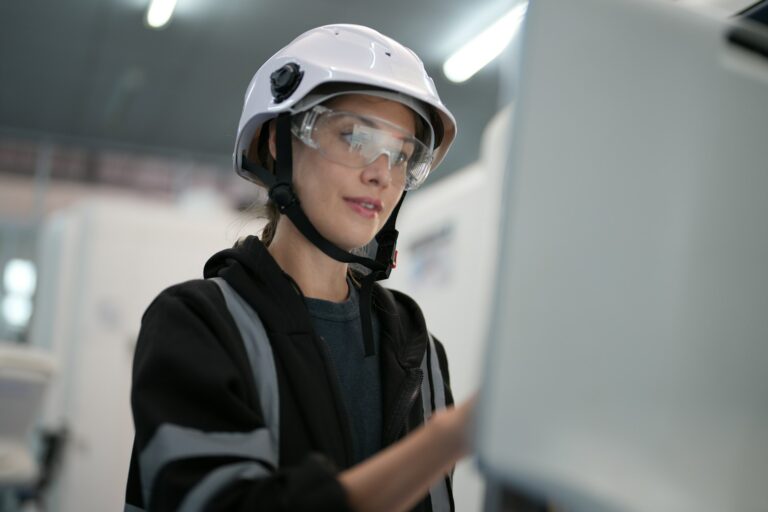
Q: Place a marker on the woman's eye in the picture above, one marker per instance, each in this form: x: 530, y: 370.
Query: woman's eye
x: 350, y: 140
x: 406, y: 155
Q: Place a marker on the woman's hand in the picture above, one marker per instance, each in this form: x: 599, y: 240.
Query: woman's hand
x: 458, y: 423
x: 398, y: 477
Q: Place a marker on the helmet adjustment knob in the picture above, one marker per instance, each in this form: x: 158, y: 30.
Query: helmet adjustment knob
x: 282, y: 195
x: 285, y: 80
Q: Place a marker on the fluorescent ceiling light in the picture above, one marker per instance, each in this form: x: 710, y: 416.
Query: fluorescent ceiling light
x: 20, y: 277
x: 159, y: 12
x: 486, y: 46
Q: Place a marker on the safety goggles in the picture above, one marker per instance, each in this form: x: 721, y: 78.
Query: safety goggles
x: 356, y: 141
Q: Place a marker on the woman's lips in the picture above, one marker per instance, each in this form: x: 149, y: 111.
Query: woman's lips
x: 364, y: 206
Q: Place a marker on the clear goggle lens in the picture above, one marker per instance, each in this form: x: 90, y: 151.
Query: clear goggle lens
x: 357, y: 141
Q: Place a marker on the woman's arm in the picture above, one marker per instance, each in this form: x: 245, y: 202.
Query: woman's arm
x: 397, y: 478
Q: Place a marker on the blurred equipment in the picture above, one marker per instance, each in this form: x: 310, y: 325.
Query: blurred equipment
x: 101, y: 263
x: 757, y: 12
x: 24, y: 376
x: 629, y: 340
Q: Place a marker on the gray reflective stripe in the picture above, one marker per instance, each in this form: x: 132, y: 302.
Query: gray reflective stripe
x: 437, y: 381
x: 132, y: 508
x: 439, y: 492
x: 426, y: 392
x: 260, y: 357
x: 219, y: 479
x: 172, y: 442
x: 439, y: 384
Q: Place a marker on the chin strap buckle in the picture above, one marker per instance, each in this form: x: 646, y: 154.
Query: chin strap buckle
x: 283, y: 196
x: 386, y: 254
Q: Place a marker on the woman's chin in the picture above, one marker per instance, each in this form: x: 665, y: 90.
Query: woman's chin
x: 351, y: 241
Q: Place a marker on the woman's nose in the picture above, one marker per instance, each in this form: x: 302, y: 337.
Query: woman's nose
x: 378, y: 171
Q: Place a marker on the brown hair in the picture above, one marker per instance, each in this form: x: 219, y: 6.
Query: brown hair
x: 269, y: 211
x: 259, y: 151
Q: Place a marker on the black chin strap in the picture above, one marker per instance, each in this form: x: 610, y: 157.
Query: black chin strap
x: 282, y: 194
x: 386, y: 239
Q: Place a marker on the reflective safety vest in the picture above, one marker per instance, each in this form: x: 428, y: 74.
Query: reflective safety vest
x: 245, y: 465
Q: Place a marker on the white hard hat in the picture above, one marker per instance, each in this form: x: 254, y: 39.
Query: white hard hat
x: 341, y: 59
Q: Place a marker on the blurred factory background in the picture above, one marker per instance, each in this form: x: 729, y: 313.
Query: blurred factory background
x: 94, y: 101
x: 116, y: 181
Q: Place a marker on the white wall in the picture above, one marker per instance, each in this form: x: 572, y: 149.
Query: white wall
x: 102, y: 262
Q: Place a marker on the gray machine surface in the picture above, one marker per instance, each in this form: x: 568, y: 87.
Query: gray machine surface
x: 628, y: 352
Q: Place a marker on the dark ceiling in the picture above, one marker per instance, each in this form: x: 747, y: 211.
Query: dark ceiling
x: 90, y: 70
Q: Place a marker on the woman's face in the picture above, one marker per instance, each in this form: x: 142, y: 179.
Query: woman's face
x: 336, y: 198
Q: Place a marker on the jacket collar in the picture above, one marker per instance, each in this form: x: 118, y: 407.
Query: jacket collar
x: 253, y: 272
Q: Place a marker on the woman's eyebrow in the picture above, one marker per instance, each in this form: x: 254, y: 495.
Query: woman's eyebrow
x: 366, y: 120
x: 369, y: 121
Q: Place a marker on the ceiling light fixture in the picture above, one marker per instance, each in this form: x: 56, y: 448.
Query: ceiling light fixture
x: 486, y: 46
x: 20, y: 277
x: 159, y: 13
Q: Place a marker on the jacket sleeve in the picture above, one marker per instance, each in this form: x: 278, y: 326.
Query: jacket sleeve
x: 201, y: 441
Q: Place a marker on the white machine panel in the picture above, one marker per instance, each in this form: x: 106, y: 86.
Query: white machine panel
x: 628, y: 353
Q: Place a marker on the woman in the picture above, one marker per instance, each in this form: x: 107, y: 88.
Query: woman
x: 285, y: 381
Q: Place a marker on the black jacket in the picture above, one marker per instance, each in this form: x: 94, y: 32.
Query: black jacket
x: 191, y: 371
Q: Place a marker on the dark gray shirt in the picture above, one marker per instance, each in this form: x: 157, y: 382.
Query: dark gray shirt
x: 338, y: 325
